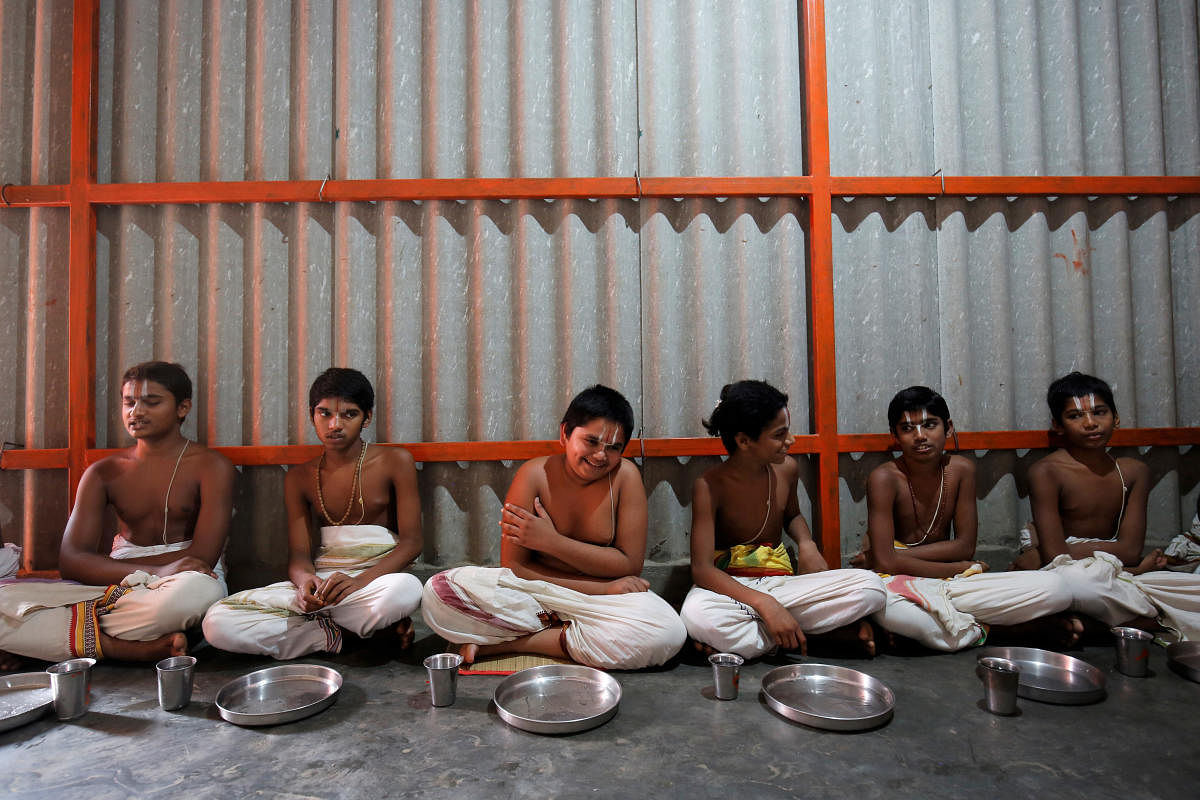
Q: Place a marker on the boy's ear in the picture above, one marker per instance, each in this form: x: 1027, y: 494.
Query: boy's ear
x: 742, y: 439
x: 366, y: 419
x: 182, y: 408
x: 562, y: 434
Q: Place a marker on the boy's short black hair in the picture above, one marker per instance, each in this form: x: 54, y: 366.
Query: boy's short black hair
x: 169, y: 375
x: 1076, y: 384
x: 599, y: 402
x: 746, y: 407
x: 917, y: 398
x: 345, y: 384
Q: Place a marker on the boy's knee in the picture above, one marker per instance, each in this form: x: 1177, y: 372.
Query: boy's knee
x: 188, y: 598
x: 400, y: 595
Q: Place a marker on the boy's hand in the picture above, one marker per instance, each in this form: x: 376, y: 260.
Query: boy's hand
x: 1153, y: 560
x: 533, y: 531
x: 338, y: 587
x: 968, y: 568
x: 307, y: 597
x: 782, y: 626
x: 627, y: 585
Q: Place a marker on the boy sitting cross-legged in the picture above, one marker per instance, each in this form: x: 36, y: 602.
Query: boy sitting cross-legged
x: 748, y: 598
x: 921, y: 531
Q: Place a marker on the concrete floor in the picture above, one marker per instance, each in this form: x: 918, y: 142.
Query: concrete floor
x: 669, y: 739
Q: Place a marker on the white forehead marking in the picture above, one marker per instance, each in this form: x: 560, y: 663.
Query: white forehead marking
x: 787, y: 417
x: 1092, y: 401
x: 1078, y: 403
x: 609, y: 439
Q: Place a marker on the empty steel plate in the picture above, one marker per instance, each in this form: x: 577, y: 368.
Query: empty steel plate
x: 279, y: 694
x: 827, y: 696
x: 1184, y: 658
x: 557, y: 698
x: 1052, y: 677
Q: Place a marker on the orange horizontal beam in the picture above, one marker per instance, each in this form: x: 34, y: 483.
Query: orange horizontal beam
x: 1048, y: 185
x: 668, y: 447
x: 310, y: 191
x: 1028, y: 440
x: 34, y: 459
x: 726, y: 187
x: 363, y: 190
x: 27, y: 196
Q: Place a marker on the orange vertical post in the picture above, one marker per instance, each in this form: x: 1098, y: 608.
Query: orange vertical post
x: 823, y: 367
x: 81, y: 271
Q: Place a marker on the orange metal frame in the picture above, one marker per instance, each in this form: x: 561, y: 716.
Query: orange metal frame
x: 819, y: 187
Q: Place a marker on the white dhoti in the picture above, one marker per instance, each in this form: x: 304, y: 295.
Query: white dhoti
x: 491, y: 605
x: 820, y: 602
x: 269, y: 621
x: 1103, y: 589
x: 57, y: 620
x: 949, y: 614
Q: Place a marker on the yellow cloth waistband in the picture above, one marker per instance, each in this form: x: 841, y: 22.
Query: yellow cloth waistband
x: 754, y: 560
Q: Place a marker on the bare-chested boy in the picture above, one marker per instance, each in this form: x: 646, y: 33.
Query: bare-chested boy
x: 921, y: 533
x: 573, y: 541
x: 748, y: 599
x: 139, y: 589
x: 356, y: 496
x: 1089, y: 519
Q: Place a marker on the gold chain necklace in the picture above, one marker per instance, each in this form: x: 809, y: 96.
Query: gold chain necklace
x: 355, y: 487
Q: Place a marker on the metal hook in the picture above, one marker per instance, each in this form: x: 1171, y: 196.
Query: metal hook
x: 943, y: 177
x: 321, y: 191
x: 4, y: 194
x: 638, y: 178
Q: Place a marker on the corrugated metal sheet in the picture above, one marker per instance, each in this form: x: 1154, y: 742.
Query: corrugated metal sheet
x: 989, y: 299
x: 479, y: 319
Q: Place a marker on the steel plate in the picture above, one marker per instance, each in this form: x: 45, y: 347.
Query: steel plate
x: 557, y: 698
x: 279, y: 694
x: 1184, y: 658
x: 1053, y: 677
x: 24, y: 697
x: 827, y: 696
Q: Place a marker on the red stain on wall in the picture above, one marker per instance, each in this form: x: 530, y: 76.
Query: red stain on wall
x: 1079, y: 256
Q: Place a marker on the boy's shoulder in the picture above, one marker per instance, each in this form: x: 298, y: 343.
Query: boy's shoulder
x: 1053, y: 463
x: 960, y: 464
x: 886, y: 472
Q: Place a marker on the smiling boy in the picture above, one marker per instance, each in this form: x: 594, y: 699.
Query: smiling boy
x: 748, y: 598
x: 573, y: 539
x: 139, y: 588
x: 921, y: 535
x: 1089, y: 519
x: 361, y: 507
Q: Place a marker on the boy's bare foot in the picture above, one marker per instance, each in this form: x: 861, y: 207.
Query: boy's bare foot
x: 10, y: 662
x: 173, y: 644
x: 1056, y: 632
x: 469, y: 653
x: 857, y: 638
x: 702, y: 648
x: 404, y: 630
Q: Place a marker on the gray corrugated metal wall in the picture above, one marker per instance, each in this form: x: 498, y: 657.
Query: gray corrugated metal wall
x: 480, y: 319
